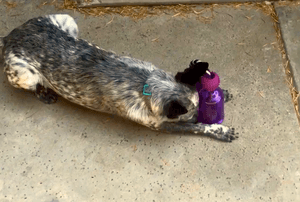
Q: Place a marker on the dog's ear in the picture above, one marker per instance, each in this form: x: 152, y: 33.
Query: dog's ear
x: 173, y: 109
x: 192, y: 74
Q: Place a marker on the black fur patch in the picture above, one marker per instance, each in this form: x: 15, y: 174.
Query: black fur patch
x: 175, y: 109
x: 31, y: 71
x: 46, y: 95
x: 192, y: 74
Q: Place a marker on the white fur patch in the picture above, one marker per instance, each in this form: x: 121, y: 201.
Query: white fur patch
x: 66, y: 23
x: 137, y: 63
x: 20, y: 74
x: 216, y: 127
x: 195, y: 99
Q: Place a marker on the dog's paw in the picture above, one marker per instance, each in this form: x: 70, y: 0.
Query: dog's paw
x: 46, y: 95
x: 227, y: 96
x: 230, y: 135
x: 220, y: 132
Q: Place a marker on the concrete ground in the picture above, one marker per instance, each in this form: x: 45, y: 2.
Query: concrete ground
x: 64, y: 153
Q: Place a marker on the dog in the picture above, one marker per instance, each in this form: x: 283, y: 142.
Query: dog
x: 45, y: 56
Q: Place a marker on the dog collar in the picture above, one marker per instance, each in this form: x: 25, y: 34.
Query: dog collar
x: 146, y: 93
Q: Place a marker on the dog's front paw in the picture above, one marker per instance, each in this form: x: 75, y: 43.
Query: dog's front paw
x: 220, y: 132
x: 227, y: 96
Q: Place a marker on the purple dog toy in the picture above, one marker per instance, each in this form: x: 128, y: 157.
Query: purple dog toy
x: 211, y: 99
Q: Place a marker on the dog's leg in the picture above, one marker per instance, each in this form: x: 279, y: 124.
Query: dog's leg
x: 46, y: 95
x: 216, y: 131
x: 20, y: 74
x: 227, y: 96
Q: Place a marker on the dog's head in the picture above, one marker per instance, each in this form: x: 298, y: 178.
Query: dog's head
x: 192, y: 74
x: 171, y: 100
x: 183, y: 107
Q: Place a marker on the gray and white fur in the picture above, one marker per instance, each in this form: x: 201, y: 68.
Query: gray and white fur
x: 45, y: 56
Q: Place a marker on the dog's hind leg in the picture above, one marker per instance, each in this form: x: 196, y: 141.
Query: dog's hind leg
x: 215, y: 131
x: 20, y: 74
x: 46, y: 95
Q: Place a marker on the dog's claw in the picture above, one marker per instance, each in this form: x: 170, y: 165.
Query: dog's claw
x: 231, y: 135
x: 227, y: 96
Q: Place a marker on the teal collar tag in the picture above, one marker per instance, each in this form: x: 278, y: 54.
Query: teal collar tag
x: 146, y: 86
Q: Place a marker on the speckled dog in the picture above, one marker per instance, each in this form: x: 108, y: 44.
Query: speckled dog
x: 45, y: 56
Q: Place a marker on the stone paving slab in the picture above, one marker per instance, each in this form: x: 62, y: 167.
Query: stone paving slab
x: 64, y: 153
x: 84, y: 3
x: 289, y: 18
